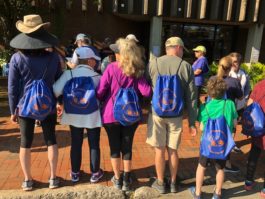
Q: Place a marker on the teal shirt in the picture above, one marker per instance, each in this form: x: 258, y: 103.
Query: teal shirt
x: 216, y: 109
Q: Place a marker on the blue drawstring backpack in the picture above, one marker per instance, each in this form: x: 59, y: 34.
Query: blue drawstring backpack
x: 217, y: 140
x: 39, y: 101
x: 79, y: 95
x: 126, y: 109
x: 253, y: 120
x: 167, y: 99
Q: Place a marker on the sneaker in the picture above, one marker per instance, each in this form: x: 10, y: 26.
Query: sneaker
x: 159, y: 186
x: 117, y: 183
x: 75, y: 176
x: 27, y: 185
x: 249, y: 185
x: 53, y: 183
x: 236, y: 150
x: 262, y: 193
x: 173, y: 187
x: 126, y: 185
x: 95, y: 177
x: 216, y: 196
x: 193, y: 193
x: 233, y: 169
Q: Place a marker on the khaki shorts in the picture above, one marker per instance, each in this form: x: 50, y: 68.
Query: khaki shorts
x: 164, y: 131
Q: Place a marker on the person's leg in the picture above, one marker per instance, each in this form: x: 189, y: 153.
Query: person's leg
x: 48, y: 127
x: 220, y: 176
x: 200, y: 175
x: 173, y: 161
x: 157, y: 137
x: 27, y: 134
x: 126, y: 149
x: 76, y: 148
x: 114, y: 136
x: 252, y: 162
x: 174, y: 127
x: 160, y: 163
x: 126, y: 145
x: 94, y: 150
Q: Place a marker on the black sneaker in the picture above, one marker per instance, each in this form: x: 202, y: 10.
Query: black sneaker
x: 126, y: 185
x: 232, y: 169
x: 159, y: 186
x: 117, y: 183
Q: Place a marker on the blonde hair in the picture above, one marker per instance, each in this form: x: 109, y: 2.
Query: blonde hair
x: 224, y: 66
x: 130, y: 61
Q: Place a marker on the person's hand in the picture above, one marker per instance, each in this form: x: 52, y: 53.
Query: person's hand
x: 13, y: 119
x: 193, y: 131
x: 59, y: 110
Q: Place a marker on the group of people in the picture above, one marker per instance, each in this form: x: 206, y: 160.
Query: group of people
x: 171, y: 81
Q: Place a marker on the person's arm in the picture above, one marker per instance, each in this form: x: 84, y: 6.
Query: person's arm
x: 199, y: 66
x: 58, y: 86
x: 13, y: 88
x: 197, y: 72
x: 13, y: 85
x: 190, y: 94
x: 144, y: 87
x: 250, y: 101
x: 74, y: 61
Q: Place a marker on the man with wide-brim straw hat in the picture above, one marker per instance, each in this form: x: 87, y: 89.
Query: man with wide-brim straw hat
x: 33, y: 62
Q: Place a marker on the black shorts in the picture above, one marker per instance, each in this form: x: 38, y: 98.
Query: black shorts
x: 219, y: 164
x: 27, y: 130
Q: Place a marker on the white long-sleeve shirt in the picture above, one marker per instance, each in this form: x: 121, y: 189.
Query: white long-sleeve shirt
x: 92, y: 120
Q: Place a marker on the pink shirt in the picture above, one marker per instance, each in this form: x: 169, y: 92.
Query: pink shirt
x: 109, y: 86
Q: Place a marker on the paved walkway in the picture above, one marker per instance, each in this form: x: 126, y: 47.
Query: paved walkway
x: 143, y: 159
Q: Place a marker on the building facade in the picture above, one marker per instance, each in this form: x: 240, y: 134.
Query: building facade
x: 222, y: 26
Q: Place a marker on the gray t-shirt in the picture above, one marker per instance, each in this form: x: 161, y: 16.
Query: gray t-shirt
x: 168, y: 65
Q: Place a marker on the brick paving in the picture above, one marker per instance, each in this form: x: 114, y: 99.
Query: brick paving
x: 11, y: 174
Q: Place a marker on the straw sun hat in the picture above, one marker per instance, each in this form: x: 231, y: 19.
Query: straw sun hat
x: 31, y: 23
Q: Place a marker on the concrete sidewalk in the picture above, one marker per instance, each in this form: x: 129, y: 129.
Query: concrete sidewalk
x: 143, y: 160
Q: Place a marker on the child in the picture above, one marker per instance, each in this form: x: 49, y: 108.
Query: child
x: 216, y: 88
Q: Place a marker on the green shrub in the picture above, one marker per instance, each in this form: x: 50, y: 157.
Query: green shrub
x: 256, y: 71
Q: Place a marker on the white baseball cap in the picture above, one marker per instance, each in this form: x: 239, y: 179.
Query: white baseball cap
x: 132, y: 37
x: 86, y: 53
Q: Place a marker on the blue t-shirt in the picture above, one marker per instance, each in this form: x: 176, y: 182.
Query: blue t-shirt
x: 200, y: 63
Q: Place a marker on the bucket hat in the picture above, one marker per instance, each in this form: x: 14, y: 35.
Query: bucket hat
x: 37, y: 40
x: 31, y: 23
